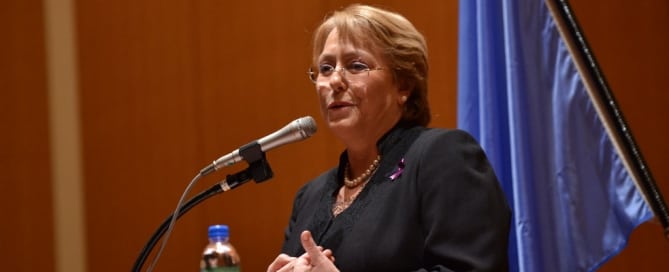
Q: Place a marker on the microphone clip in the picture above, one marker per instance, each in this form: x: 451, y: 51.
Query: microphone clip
x: 259, y: 168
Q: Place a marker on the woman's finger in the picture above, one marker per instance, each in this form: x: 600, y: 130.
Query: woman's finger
x: 281, y: 262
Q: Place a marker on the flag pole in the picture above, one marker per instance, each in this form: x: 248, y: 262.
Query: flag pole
x: 608, y: 109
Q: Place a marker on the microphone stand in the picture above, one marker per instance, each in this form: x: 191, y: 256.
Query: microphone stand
x: 258, y: 170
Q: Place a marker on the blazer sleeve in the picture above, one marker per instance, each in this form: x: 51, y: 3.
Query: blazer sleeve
x: 464, y: 213
x: 288, y: 232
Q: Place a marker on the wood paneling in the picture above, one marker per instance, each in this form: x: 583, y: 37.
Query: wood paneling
x: 26, y: 231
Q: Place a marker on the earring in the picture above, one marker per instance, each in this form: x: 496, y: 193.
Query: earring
x: 403, y: 99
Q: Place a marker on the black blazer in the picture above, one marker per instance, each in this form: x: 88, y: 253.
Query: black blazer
x: 433, y: 205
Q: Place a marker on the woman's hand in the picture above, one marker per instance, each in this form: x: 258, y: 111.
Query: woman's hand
x: 315, y: 259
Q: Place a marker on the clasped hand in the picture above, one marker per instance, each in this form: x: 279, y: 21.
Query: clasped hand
x: 315, y: 258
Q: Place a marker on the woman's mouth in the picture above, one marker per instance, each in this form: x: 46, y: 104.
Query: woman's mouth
x: 339, y: 105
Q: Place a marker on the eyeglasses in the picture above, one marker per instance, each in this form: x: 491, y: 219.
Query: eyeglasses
x: 354, y: 70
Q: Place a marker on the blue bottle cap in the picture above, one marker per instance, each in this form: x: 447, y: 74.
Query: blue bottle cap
x: 218, y: 231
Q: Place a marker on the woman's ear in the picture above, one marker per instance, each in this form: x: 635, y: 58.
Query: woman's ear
x: 404, y: 92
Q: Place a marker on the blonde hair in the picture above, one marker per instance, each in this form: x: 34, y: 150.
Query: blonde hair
x: 403, y: 47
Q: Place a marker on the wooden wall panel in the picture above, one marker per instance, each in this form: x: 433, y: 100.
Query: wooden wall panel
x: 26, y: 230
x: 168, y: 86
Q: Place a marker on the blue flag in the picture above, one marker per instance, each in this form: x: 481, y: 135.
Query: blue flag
x: 521, y: 95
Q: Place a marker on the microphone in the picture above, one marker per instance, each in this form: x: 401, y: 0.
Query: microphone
x: 297, y: 130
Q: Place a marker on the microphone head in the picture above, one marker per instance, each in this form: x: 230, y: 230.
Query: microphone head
x: 306, y: 125
x: 297, y: 130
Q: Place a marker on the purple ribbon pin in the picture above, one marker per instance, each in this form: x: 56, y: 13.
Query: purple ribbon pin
x: 398, y: 172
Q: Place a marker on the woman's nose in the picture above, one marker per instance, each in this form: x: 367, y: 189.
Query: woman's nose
x: 338, y: 81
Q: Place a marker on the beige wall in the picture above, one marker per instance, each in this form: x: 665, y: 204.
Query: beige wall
x: 164, y: 87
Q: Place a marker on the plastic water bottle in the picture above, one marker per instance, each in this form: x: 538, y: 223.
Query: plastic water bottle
x: 219, y: 255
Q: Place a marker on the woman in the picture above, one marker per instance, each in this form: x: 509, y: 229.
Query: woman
x: 404, y: 197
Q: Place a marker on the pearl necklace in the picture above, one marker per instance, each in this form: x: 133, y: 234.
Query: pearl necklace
x: 362, y: 178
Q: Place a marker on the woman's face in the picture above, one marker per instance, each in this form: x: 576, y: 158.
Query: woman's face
x: 357, y: 104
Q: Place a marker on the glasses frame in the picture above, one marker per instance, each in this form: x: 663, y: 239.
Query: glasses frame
x: 313, y: 76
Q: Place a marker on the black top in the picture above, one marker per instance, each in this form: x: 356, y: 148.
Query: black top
x: 433, y: 205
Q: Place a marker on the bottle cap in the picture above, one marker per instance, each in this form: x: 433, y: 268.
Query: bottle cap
x: 218, y: 231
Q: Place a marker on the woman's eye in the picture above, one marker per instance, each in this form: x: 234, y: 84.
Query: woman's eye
x: 325, y: 69
x: 358, y: 67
